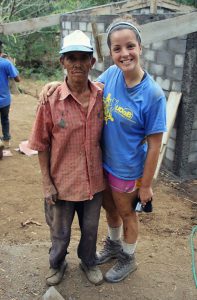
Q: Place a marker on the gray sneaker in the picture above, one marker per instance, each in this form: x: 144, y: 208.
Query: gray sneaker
x: 110, y: 250
x: 93, y: 273
x: 123, y: 267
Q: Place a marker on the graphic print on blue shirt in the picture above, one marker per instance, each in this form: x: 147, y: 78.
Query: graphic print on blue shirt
x: 130, y: 115
x: 111, y: 105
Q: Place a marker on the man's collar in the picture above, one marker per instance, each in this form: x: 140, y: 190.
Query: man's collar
x: 65, y: 91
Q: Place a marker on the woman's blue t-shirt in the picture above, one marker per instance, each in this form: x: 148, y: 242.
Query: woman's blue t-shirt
x: 130, y: 114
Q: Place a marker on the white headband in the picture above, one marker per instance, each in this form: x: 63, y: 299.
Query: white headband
x: 122, y: 25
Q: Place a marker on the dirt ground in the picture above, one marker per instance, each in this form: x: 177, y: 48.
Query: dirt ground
x: 163, y: 252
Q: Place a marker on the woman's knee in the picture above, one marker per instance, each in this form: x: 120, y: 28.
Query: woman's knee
x: 127, y: 216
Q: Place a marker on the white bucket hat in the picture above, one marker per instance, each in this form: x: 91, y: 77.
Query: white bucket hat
x: 76, y: 41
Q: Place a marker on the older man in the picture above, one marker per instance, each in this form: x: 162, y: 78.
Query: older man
x: 67, y: 133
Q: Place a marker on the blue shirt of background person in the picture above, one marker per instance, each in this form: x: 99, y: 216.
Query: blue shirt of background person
x: 130, y: 115
x: 7, y: 70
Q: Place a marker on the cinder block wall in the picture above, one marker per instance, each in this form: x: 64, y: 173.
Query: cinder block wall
x: 164, y: 61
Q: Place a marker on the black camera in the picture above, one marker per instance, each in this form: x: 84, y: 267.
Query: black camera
x: 138, y: 207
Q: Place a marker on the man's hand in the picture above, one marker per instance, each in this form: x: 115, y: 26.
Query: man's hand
x: 50, y: 193
x: 47, y: 91
x: 51, y: 200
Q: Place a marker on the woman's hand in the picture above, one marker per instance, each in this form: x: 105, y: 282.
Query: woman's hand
x: 154, y: 144
x: 47, y: 91
x: 145, y: 194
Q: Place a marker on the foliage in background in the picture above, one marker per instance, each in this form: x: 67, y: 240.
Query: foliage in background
x: 38, y: 52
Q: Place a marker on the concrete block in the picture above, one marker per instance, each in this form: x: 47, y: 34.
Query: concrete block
x: 195, y: 123
x: 164, y: 83
x: 174, y: 73
x: 164, y: 58
x: 67, y: 25
x: 96, y: 56
x: 52, y: 294
x: 176, y: 86
x: 65, y: 33
x: 167, y: 163
x: 179, y: 60
x: 159, y: 45
x: 196, y: 110
x: 89, y: 27
x: 149, y: 55
x: 192, y: 157
x: 100, y: 27
x: 146, y: 47
x: 193, y: 146
x: 146, y: 65
x: 170, y: 154
x: 194, y: 135
x: 93, y: 44
x: 156, y: 69
x: 90, y: 35
x: 82, y: 26
x: 194, y: 171
x: 173, y: 133
x: 63, y: 25
x: 99, y: 66
x: 145, y: 11
x: 75, y: 25
x: 171, y: 144
x: 177, y: 45
x: 161, y: 10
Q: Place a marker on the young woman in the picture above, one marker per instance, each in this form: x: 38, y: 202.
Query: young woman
x: 135, y: 119
x: 135, y: 111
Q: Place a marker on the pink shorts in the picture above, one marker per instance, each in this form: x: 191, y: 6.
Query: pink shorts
x: 121, y: 185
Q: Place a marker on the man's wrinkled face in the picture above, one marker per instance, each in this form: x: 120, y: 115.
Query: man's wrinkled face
x: 77, y: 64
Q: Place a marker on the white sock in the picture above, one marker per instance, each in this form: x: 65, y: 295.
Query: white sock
x: 129, y: 248
x: 115, y: 233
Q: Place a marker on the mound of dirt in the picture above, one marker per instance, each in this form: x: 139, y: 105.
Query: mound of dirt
x: 163, y: 252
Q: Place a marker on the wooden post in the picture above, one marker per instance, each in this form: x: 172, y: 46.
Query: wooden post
x: 171, y: 111
x: 153, y: 6
x: 98, y: 49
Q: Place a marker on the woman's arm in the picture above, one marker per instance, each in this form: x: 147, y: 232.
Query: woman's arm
x: 154, y: 144
x: 49, y: 88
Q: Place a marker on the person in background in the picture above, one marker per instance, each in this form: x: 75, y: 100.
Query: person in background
x: 7, y: 71
x: 66, y: 134
x: 134, y: 122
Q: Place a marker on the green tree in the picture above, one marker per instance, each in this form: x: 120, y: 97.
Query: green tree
x: 33, y: 51
x: 12, y: 10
